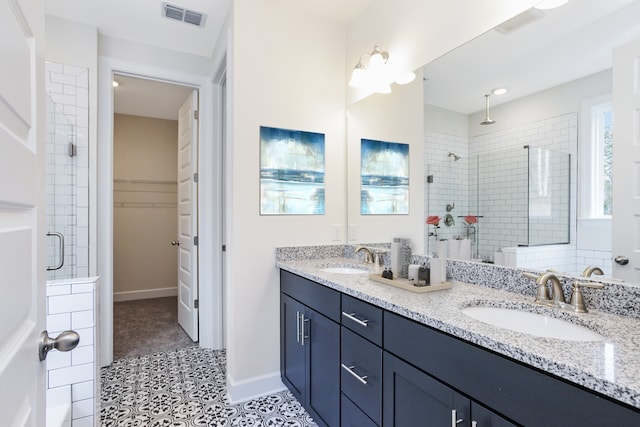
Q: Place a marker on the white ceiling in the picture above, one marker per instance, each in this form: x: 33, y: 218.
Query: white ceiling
x: 141, y: 21
x: 570, y: 42
x: 148, y: 98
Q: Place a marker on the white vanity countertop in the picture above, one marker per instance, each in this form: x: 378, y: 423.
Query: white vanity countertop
x: 610, y: 367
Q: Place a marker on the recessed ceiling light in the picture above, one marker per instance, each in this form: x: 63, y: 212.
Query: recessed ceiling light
x: 115, y: 83
x: 500, y: 91
x: 551, y: 4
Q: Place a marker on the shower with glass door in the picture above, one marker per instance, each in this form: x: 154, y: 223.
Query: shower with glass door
x: 66, y: 172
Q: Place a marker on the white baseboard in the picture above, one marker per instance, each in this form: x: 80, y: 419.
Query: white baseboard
x: 241, y: 391
x: 145, y: 294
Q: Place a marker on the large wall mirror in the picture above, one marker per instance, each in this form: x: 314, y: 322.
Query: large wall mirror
x: 530, y: 189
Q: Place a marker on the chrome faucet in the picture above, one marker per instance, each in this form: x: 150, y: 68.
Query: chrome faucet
x: 556, y: 298
x: 368, y: 256
x: 592, y: 270
x: 577, y: 298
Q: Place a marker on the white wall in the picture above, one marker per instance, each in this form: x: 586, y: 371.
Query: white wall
x: 152, y: 55
x: 396, y: 117
x: 288, y: 72
x: 145, y: 209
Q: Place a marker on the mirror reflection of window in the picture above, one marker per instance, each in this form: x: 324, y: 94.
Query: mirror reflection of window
x: 598, y: 155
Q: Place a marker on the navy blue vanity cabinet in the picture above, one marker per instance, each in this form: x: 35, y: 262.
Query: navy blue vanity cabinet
x: 483, y: 417
x: 413, y: 398
x: 361, y: 361
x: 310, y: 346
x: 352, y: 416
x: 515, y: 391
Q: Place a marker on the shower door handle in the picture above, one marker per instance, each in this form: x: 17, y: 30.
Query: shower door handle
x: 60, y: 237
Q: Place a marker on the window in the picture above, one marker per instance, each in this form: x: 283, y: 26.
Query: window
x: 596, y: 159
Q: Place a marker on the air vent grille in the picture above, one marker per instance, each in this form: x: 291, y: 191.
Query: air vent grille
x: 179, y: 13
x: 191, y: 17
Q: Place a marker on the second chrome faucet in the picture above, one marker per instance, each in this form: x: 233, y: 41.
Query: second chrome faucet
x: 556, y: 298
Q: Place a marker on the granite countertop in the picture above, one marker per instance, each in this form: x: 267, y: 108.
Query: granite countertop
x: 610, y: 367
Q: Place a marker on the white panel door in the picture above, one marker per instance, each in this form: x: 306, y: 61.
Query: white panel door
x: 22, y: 233
x: 626, y: 161
x: 187, y: 216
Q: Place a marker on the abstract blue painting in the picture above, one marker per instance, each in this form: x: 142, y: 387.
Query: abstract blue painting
x: 291, y: 172
x: 384, y: 185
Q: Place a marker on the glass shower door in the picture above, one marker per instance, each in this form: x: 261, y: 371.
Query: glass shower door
x: 61, y: 185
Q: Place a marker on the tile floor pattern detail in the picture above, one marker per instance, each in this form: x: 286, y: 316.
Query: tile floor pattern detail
x: 184, y: 388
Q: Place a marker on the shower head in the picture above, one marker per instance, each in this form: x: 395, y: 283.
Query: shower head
x: 487, y: 120
x: 455, y: 157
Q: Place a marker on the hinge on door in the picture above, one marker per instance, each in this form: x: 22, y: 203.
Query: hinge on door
x: 224, y: 248
x: 196, y: 304
x: 195, y: 177
x: 195, y: 240
x: 196, y: 114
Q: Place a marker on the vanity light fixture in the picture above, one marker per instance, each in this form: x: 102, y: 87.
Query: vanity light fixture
x: 550, y: 4
x: 376, y: 75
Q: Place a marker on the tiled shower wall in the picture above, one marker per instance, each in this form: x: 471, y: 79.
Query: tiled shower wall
x: 451, y: 178
x: 67, y: 177
x: 506, y: 212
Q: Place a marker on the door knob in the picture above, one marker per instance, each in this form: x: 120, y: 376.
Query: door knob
x: 621, y: 259
x: 175, y: 243
x: 66, y: 341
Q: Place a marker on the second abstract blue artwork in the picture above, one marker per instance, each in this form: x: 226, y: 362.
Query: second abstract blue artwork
x: 384, y: 185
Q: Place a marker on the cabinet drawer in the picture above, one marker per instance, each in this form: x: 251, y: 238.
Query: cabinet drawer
x: 362, y: 318
x: 352, y: 416
x: 361, y: 373
x: 324, y: 300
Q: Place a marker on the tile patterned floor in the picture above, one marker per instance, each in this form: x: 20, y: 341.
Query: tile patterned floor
x: 186, y: 387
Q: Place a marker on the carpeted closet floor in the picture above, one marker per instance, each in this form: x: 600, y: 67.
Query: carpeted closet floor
x: 147, y: 326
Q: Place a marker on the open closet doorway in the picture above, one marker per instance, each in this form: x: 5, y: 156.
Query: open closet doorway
x: 155, y: 277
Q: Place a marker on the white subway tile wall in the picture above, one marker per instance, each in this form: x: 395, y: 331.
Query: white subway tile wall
x: 72, y: 306
x: 501, y: 158
x: 449, y: 178
x: 67, y: 178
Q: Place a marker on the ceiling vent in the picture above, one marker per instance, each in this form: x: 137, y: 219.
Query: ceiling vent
x: 520, y: 20
x: 179, y: 13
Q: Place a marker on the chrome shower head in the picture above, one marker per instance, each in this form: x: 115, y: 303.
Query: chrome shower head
x: 487, y: 120
x: 455, y: 157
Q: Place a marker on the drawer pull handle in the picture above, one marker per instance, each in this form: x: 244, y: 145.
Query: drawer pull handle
x: 454, y: 418
x: 352, y: 316
x: 349, y: 369
x: 297, y: 326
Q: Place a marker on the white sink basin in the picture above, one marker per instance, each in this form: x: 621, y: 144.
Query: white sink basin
x: 344, y: 270
x: 532, y: 323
